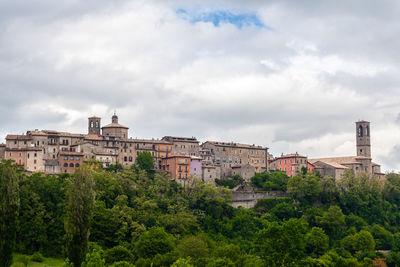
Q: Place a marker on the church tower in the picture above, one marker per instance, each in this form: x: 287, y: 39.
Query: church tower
x: 363, y: 139
x: 94, y: 125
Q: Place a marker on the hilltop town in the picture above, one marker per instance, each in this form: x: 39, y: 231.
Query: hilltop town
x: 54, y: 152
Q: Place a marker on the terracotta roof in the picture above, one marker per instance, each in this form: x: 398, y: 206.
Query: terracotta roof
x: 340, y: 160
x: 151, y: 141
x: 177, y: 156
x: 94, y: 117
x: 180, y: 139
x: 331, y: 163
x: 93, y: 137
x: 115, y: 125
x: 292, y: 155
x: 2, y: 145
x: 232, y: 144
x: 37, y: 133
x: 18, y: 137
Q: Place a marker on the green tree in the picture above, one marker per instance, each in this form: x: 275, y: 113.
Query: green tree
x: 359, y: 242
x: 193, y: 247
x: 280, y: 245
x: 383, y: 238
x: 317, y: 242
x: 153, y: 242
x: 145, y: 161
x: 333, y: 222
x: 9, y: 206
x: 118, y: 253
x: 79, y: 215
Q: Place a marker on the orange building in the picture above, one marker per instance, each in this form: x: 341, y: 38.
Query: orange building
x: 70, y: 160
x: 178, y: 166
x: 290, y: 163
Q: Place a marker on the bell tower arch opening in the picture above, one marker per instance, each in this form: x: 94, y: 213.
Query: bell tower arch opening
x: 94, y: 125
x: 363, y: 140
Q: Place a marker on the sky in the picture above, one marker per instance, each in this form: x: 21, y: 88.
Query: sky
x: 293, y: 76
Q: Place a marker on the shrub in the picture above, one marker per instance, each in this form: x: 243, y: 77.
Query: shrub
x: 117, y: 254
x: 37, y: 257
x: 18, y: 264
x: 24, y: 260
x: 122, y: 264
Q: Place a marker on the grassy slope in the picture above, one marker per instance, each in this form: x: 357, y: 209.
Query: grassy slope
x: 47, y: 262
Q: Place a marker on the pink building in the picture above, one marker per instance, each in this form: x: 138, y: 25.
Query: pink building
x: 196, y: 166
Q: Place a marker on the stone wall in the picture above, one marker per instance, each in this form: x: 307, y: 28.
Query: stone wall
x: 249, y: 198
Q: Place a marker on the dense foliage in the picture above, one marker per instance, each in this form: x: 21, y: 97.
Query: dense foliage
x: 143, y: 220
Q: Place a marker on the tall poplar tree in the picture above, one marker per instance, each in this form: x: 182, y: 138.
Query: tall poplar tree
x: 80, y: 213
x: 9, y: 206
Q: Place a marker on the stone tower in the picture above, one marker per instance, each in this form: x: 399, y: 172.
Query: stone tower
x: 94, y: 125
x: 114, y: 118
x: 363, y: 139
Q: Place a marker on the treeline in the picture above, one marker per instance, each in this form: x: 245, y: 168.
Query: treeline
x: 142, y: 218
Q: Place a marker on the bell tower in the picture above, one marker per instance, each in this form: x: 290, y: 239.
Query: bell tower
x: 94, y: 125
x: 363, y: 139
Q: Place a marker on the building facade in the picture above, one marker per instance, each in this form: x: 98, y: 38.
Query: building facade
x: 291, y: 164
x: 336, y: 166
x: 229, y: 155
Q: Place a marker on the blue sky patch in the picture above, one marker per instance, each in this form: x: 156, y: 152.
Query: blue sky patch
x: 218, y: 17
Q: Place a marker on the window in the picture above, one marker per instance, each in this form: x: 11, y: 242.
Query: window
x: 28, y: 155
x: 367, y: 131
x: 130, y: 159
x: 91, y: 124
x: 77, y: 158
x: 71, y: 165
x: 77, y: 165
x: 15, y: 142
x: 360, y: 131
x: 34, y: 162
x: 71, y: 157
x: 97, y: 124
x: 35, y: 155
x: 125, y: 159
x: 65, y: 164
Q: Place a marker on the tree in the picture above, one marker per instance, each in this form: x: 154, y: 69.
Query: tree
x: 332, y: 221
x: 193, y: 247
x: 145, y: 161
x: 153, y: 242
x: 79, y: 215
x: 9, y: 205
x: 117, y: 254
x: 317, y: 242
x: 359, y: 242
x: 280, y: 245
x: 383, y: 238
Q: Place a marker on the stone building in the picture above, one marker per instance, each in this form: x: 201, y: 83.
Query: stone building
x: 336, y: 166
x: 246, y: 171
x: 289, y: 163
x: 210, y: 172
x: 114, y: 129
x: 229, y: 155
x: 2, y: 151
x: 184, y: 145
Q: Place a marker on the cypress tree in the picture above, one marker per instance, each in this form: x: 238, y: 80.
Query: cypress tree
x: 80, y: 213
x: 9, y: 207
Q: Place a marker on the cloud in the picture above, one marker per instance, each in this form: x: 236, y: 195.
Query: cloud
x: 290, y: 76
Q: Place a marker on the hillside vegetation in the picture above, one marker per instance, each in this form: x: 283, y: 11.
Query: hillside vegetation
x: 142, y: 218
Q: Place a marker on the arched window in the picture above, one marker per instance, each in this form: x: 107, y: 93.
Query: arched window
x: 71, y: 165
x: 77, y: 165
x: 91, y: 124
x: 65, y: 164
x: 97, y: 124
x: 360, y: 131
x: 367, y: 131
